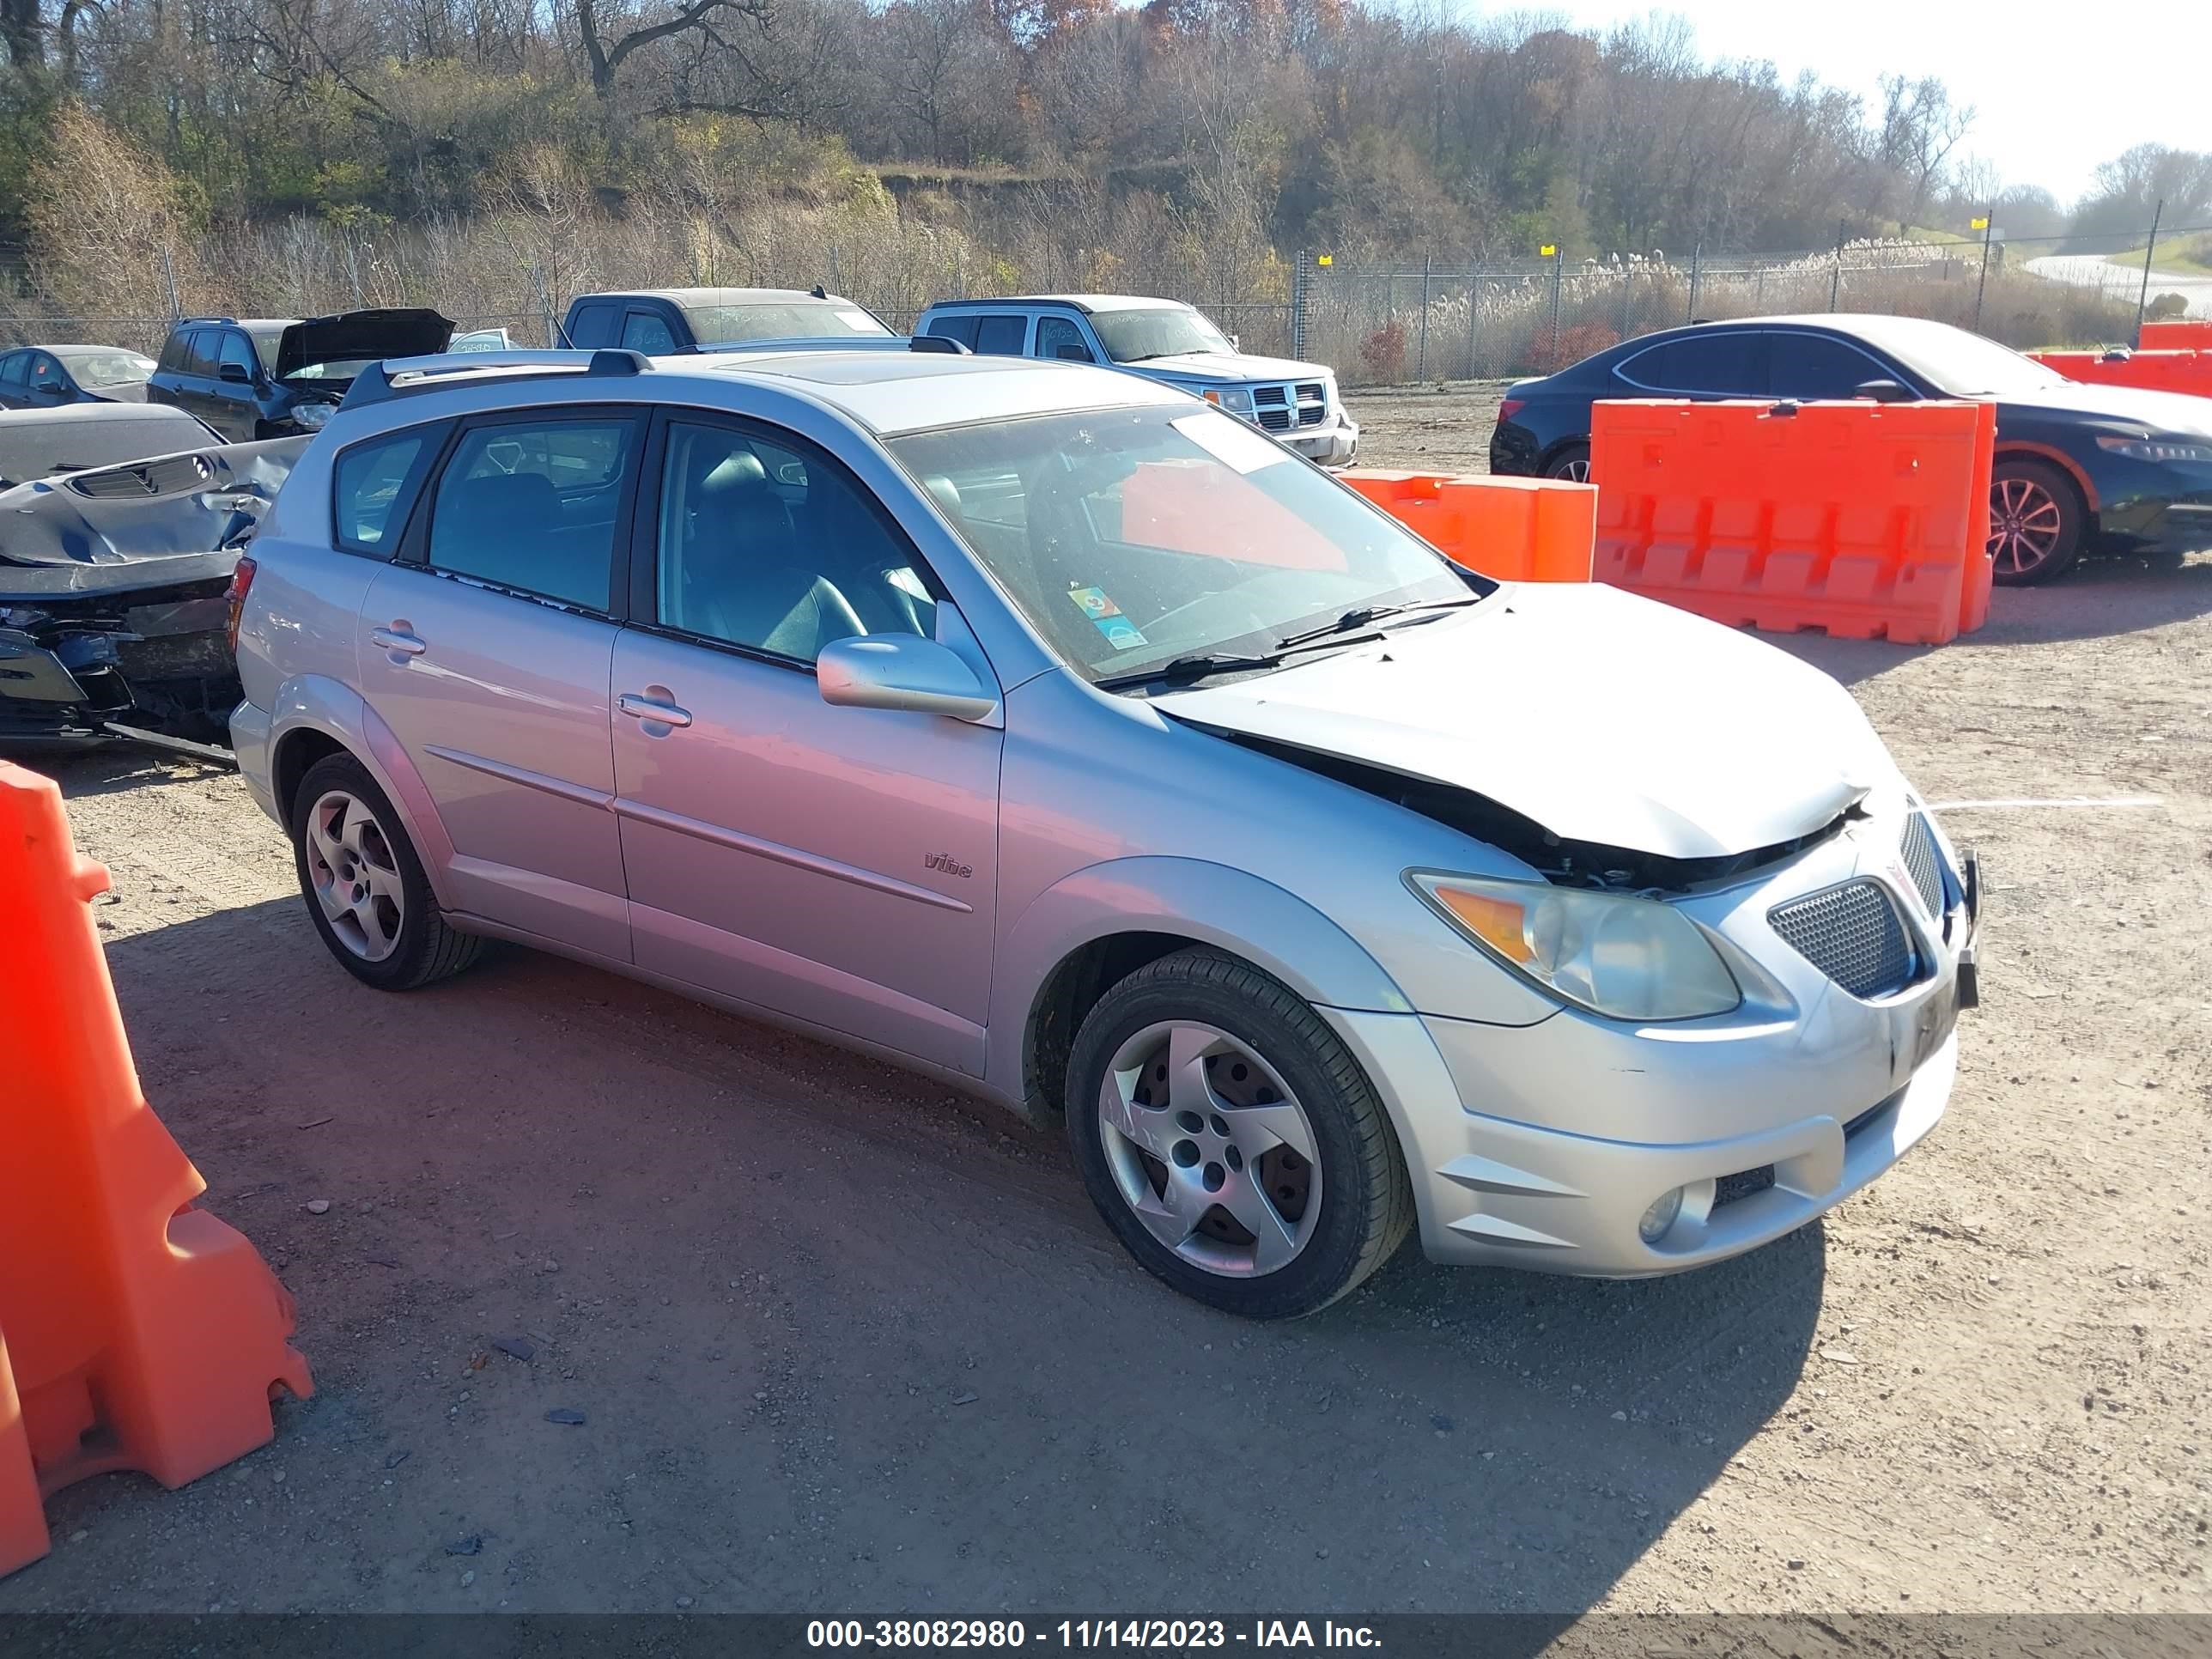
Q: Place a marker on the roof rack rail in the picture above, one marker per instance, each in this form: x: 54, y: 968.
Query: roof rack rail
x: 400, y: 376
x: 182, y: 321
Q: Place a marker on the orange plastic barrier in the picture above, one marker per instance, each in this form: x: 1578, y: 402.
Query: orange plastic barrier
x: 1863, y: 520
x: 2179, y: 334
x: 136, y: 1332
x: 1539, y: 530
x: 2149, y: 371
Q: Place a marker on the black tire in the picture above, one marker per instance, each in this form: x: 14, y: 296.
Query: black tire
x: 426, y: 947
x: 1366, y: 1204
x: 1570, y: 461
x: 2038, y: 520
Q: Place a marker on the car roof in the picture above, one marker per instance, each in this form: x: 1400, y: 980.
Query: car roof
x: 720, y: 296
x: 93, y: 414
x: 77, y: 349
x: 1083, y: 303
x: 895, y: 393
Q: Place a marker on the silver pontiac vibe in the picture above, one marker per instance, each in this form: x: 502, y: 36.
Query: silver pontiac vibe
x: 1041, y: 729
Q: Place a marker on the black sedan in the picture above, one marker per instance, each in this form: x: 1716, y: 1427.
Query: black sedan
x: 2074, y: 464
x: 47, y: 376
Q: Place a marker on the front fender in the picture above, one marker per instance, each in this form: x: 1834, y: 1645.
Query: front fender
x: 1230, y: 909
x: 315, y: 702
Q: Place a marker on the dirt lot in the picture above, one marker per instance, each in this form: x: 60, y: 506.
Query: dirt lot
x: 844, y: 1342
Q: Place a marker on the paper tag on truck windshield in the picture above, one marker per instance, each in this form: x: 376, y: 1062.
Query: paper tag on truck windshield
x: 1230, y: 442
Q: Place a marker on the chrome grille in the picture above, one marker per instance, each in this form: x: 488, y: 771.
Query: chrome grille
x: 1853, y: 934
x: 1924, y: 861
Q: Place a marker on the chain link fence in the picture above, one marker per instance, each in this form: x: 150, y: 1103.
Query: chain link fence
x: 1437, y: 321
x: 1403, y: 326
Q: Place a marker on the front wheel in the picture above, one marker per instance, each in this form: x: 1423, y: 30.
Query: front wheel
x: 1572, y: 463
x: 1231, y: 1141
x: 2037, y: 521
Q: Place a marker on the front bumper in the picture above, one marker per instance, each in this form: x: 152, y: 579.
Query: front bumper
x: 1542, y: 1147
x: 1333, y: 445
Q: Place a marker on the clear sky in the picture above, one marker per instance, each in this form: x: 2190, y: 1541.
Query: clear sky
x: 2056, y: 90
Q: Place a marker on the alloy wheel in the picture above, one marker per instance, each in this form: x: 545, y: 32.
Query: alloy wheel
x: 2025, y: 522
x: 1210, y: 1149
x: 354, y: 875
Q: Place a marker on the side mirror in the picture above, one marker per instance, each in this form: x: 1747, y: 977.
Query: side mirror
x: 1883, y: 391
x: 1236, y: 342
x: 234, y: 374
x: 903, y: 672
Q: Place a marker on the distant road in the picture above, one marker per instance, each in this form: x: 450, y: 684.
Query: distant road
x: 2096, y: 271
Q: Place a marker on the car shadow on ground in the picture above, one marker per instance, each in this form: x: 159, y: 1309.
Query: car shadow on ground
x: 2104, y: 595
x: 843, y: 1340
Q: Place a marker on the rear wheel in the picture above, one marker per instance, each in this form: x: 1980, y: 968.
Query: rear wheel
x: 2037, y: 521
x: 1231, y: 1141
x: 1570, y: 463
x: 364, y: 886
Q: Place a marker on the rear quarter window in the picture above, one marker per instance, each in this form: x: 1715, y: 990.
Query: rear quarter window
x: 373, y: 486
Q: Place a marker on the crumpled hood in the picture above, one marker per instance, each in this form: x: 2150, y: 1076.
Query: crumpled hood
x: 1601, y: 716
x: 352, y: 335
x: 197, y: 501
x: 1225, y: 368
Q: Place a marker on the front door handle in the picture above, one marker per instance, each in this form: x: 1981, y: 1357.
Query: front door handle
x: 399, y: 640
x: 649, y: 707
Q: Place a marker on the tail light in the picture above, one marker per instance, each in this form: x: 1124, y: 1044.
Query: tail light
x: 241, y: 584
x: 1510, y: 407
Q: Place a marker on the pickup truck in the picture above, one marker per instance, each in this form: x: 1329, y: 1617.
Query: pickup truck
x: 1163, y: 340
x: 677, y: 321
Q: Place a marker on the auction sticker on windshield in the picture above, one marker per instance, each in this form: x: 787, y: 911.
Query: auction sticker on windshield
x: 1106, y: 615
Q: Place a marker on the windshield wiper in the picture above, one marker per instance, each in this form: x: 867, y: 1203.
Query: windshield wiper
x: 1364, y: 615
x: 1187, y: 671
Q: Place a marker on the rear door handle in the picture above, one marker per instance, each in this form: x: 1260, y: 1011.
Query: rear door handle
x: 399, y: 640
x: 652, y: 708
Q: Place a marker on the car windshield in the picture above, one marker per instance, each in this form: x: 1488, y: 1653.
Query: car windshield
x: 265, y: 342
x: 108, y: 367
x: 1132, y: 539
x: 1966, y: 365
x: 1131, y: 337
x: 36, y: 448
x: 791, y: 319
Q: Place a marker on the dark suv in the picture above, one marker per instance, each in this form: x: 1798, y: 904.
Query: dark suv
x: 264, y: 377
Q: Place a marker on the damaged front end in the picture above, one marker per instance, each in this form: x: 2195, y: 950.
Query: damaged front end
x: 114, y: 585
x: 1559, y: 859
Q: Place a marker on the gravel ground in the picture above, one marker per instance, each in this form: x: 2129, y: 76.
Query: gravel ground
x: 842, y: 1341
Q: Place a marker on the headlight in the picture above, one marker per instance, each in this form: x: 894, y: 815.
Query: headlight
x: 1626, y: 958
x: 2158, y: 449
x: 1234, y: 398
x: 310, y: 416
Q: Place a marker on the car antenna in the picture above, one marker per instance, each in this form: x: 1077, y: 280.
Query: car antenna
x: 820, y: 293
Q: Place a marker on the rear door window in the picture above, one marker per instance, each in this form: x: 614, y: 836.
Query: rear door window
x: 1815, y: 366
x: 199, y: 352
x: 535, y: 504
x: 955, y: 326
x: 1720, y: 364
x: 593, y: 325
x: 1001, y: 337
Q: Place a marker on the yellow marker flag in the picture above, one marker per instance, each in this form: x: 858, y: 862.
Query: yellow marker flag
x: 1547, y: 251
x: 1326, y: 260
x: 1982, y: 224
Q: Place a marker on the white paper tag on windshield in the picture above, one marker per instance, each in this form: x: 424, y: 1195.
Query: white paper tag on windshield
x: 1230, y: 442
